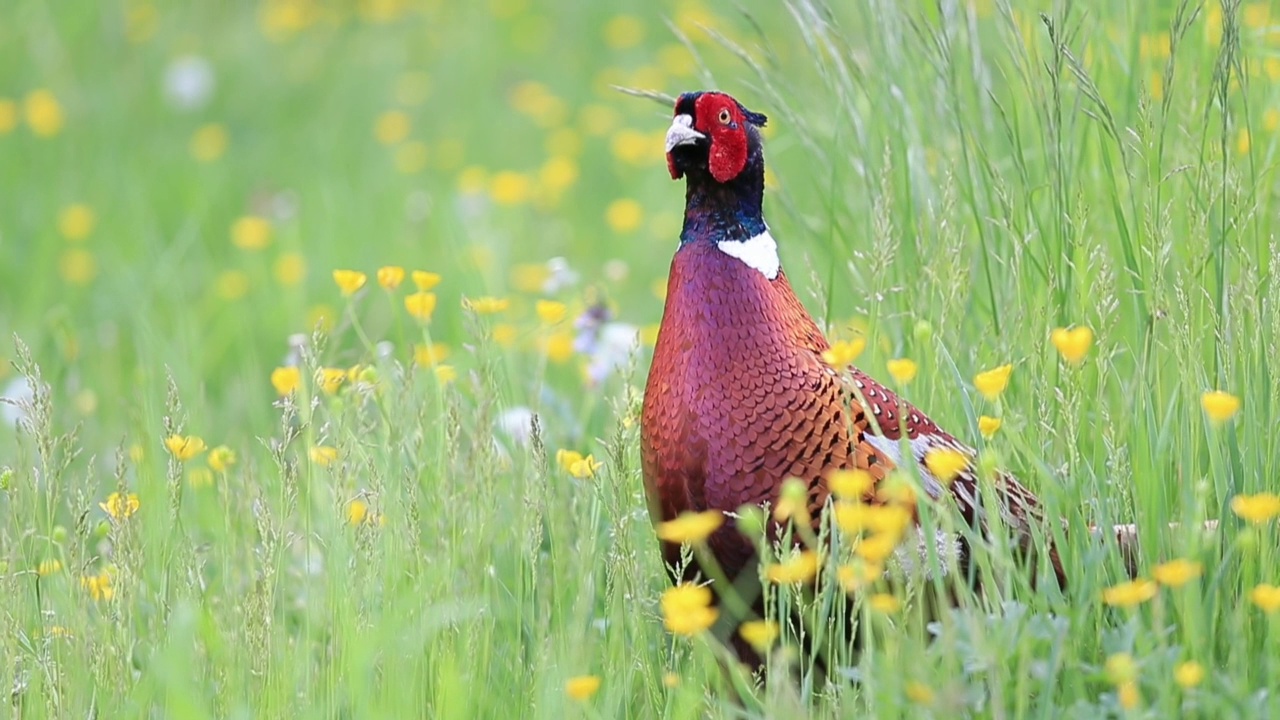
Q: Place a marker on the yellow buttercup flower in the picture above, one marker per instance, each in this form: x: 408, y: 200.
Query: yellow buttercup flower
x: 140, y: 22
x: 446, y: 374
x: 557, y: 174
x: 1256, y: 16
x: 281, y: 20
x: 184, y: 447
x: 120, y: 506
x: 420, y: 305
x: 536, y: 101
x: 1128, y: 695
x: 411, y: 157
x: 1220, y: 406
x: 1266, y: 597
x: 576, y: 464
x: 353, y: 373
x: 48, y: 567
x: 858, y: 575
x: 1256, y: 509
x: 221, y: 458
x: 856, y: 518
x: 598, y: 120
x: 633, y: 146
x: 510, y: 188
x: 77, y: 266
x: 76, y: 222
x: 897, y: 489
x: 649, y: 334
x: 1188, y: 674
x: 1072, y: 344
x: 989, y: 426
x: 99, y: 586
x: 323, y: 455
x: 878, y: 547
x: 290, y: 268
x: 43, y: 113
x: 231, y: 285
x: 390, y: 276
x: 582, y: 687
x: 349, y: 281
x: 424, y: 280
x: 1129, y: 594
x: 473, y: 180
x: 251, y: 232
x: 885, y: 603
x: 433, y: 354
x: 946, y: 464
x: 1121, y: 668
x: 320, y: 317
x: 844, y: 352
x: 850, y: 484
x: 624, y: 215
x: 623, y: 31
x: 486, y: 305
x: 392, y: 127
x: 1154, y: 46
x: 550, y: 312
x: 1122, y: 671
x: 1270, y: 118
x: 919, y: 693
x: 992, y: 383
x: 558, y: 345
x: 902, y: 370
x: 285, y: 380
x: 760, y: 634
x: 209, y: 142
x: 801, y: 567
x: 691, y: 527
x: 330, y: 379
x: 357, y: 512
x: 1176, y: 573
x: 686, y: 609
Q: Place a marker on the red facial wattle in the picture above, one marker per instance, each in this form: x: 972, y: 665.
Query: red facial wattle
x: 716, y: 122
x: 728, y: 154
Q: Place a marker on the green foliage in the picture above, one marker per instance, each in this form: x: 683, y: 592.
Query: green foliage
x: 950, y: 181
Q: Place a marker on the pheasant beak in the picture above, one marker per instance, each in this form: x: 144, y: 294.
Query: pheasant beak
x: 681, y: 132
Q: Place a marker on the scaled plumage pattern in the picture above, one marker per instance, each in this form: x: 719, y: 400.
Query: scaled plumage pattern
x: 738, y: 398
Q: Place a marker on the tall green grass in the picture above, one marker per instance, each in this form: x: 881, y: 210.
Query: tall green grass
x: 951, y: 180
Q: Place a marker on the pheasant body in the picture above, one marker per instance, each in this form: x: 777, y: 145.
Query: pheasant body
x: 738, y: 398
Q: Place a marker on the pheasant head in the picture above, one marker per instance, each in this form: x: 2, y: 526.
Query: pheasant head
x: 714, y: 144
x: 713, y: 138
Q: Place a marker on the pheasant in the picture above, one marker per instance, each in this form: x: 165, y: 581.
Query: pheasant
x: 738, y: 397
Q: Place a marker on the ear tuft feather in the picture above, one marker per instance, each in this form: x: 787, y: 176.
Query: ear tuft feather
x: 755, y: 118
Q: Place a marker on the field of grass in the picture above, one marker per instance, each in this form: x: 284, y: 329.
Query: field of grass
x: 237, y: 486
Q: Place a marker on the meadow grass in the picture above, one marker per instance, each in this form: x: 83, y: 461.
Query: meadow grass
x: 410, y: 535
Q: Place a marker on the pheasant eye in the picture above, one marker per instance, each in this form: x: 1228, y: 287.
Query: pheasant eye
x: 724, y: 116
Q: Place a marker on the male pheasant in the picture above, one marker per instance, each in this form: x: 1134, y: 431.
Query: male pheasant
x: 738, y: 397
